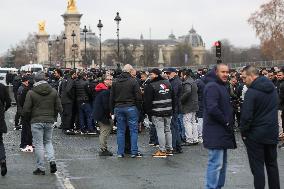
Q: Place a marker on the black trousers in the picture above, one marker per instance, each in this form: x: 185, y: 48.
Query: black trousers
x: 260, y: 155
x: 2, y: 148
x: 68, y: 117
x: 26, y: 134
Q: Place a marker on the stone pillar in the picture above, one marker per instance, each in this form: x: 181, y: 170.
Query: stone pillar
x: 72, y: 23
x: 42, y: 48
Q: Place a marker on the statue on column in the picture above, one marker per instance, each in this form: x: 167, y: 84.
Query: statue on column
x: 71, y: 7
x: 41, y: 27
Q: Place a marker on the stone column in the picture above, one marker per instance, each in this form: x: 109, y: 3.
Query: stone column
x: 42, y: 48
x: 72, y: 23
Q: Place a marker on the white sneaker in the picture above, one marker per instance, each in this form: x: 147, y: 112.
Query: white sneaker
x: 28, y: 149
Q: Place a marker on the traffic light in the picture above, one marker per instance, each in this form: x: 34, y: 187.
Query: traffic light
x: 218, y: 45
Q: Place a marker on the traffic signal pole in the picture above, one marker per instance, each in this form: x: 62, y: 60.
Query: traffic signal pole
x: 218, y: 45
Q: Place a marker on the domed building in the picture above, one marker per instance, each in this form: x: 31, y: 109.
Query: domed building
x: 197, y: 44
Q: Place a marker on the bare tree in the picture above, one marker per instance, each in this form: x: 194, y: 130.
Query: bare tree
x: 268, y: 23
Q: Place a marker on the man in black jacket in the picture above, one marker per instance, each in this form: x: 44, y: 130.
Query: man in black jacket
x: 125, y: 100
x: 159, y: 106
x: 176, y: 121
x: 5, y: 104
x: 259, y: 127
x: 67, y: 97
x: 26, y: 134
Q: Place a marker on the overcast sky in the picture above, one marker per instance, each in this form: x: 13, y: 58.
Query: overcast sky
x: 212, y: 19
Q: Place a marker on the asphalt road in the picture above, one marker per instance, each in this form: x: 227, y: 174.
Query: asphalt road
x: 80, y: 167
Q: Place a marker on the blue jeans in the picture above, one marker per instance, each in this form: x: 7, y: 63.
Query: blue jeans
x: 127, y: 116
x: 181, y: 126
x: 216, y: 170
x: 86, y: 117
x: 42, y: 140
x: 175, y: 128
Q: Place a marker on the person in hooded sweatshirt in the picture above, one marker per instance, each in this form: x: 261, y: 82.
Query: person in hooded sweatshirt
x: 218, y: 133
x: 41, y: 106
x: 259, y: 127
x: 102, y: 113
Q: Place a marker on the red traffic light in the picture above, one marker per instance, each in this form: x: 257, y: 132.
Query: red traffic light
x: 217, y: 44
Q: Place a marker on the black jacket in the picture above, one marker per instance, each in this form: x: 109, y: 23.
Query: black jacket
x: 201, y: 85
x: 125, y: 92
x: 66, y: 91
x: 82, y: 91
x: 176, y: 84
x: 5, y: 104
x: 158, y: 98
x: 101, y: 105
x: 259, y: 117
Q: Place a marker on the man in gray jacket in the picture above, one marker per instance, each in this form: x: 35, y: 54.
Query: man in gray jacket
x: 41, y: 106
x: 189, y: 107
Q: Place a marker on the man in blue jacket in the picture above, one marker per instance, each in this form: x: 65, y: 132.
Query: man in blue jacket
x: 259, y: 127
x: 218, y: 133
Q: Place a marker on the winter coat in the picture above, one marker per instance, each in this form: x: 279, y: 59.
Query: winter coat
x: 176, y: 84
x: 280, y: 90
x: 66, y: 91
x: 5, y: 104
x: 125, y: 92
x: 259, y: 117
x: 82, y: 91
x: 158, y: 98
x: 101, y: 104
x: 42, y: 104
x: 200, y: 85
x: 189, y: 96
x: 217, y: 114
x: 21, y: 97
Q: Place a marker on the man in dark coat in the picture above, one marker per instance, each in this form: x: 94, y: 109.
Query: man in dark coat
x: 176, y: 121
x: 102, y: 113
x: 16, y: 84
x: 5, y: 104
x: 218, y: 133
x: 259, y: 127
x: 67, y: 96
x: 200, y: 85
x: 26, y: 134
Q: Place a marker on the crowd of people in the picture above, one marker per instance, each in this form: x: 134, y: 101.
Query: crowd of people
x: 180, y: 107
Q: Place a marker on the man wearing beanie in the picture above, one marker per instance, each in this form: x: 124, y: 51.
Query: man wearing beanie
x: 41, y: 106
x: 158, y: 106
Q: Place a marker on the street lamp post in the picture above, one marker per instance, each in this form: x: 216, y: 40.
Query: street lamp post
x: 49, y: 46
x: 64, y: 38
x: 100, y: 25
x: 73, y: 47
x: 57, y: 46
x: 85, y: 30
x: 117, y: 19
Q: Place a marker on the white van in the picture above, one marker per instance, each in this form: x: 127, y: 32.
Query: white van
x: 32, y: 68
x: 3, y: 73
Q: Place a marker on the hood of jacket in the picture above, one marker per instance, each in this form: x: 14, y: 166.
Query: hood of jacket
x: 101, y: 87
x: 262, y: 84
x: 188, y: 80
x: 123, y: 77
x: 42, y: 88
x: 212, y: 77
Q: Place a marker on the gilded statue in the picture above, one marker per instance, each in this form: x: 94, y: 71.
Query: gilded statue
x: 41, y: 27
x: 71, y: 7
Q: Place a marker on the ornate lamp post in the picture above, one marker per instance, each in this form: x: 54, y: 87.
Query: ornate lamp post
x: 49, y: 48
x: 64, y: 39
x: 100, y: 25
x: 57, y: 46
x: 74, y: 48
x: 85, y: 30
x: 117, y: 19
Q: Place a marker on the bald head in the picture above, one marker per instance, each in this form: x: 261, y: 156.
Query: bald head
x: 127, y: 68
